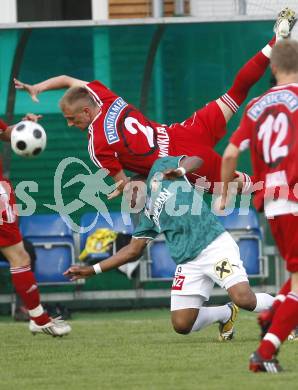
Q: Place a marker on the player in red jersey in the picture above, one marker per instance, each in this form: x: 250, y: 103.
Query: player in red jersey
x: 12, y: 247
x: 121, y: 137
x: 269, y: 126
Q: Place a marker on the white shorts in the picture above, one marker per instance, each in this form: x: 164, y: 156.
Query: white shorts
x: 219, y: 263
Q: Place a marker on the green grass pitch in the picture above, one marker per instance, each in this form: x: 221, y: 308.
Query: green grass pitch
x: 136, y: 350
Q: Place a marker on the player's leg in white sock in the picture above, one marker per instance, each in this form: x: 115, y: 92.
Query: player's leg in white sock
x: 264, y: 302
x: 210, y: 315
x: 189, y: 315
x: 243, y: 296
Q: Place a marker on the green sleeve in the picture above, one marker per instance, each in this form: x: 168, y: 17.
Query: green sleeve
x: 145, y: 229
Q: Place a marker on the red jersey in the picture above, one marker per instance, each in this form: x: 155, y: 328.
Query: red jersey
x: 269, y: 127
x: 3, y: 127
x: 9, y: 230
x: 121, y: 137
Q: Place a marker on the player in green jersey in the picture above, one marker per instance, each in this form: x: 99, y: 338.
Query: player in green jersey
x: 204, y: 252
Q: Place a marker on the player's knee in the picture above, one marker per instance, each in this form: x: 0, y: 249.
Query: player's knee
x: 19, y: 258
x: 245, y: 300
x: 25, y: 258
x: 242, y: 295
x: 181, y: 326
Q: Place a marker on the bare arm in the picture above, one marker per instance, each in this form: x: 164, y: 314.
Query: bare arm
x: 244, y: 182
x: 6, y: 135
x: 190, y: 164
x: 187, y: 165
x: 228, y: 169
x: 121, y: 180
x: 58, y: 82
x: 128, y: 253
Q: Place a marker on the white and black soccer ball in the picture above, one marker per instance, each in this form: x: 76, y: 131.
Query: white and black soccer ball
x: 28, y: 139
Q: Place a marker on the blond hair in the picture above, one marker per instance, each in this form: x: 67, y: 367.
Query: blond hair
x: 284, y: 56
x: 76, y: 97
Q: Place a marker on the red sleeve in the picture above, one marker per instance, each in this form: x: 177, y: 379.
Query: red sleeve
x: 242, y: 136
x: 111, y: 163
x: 3, y: 126
x: 105, y: 158
x: 100, y: 92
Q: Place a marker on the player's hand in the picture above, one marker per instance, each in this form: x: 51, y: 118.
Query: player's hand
x: 118, y: 190
x: 219, y: 205
x: 31, y: 89
x: 31, y: 117
x: 228, y: 195
x: 76, y: 272
x: 172, y: 174
x: 223, y: 202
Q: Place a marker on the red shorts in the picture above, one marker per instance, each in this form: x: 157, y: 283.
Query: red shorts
x: 9, y: 230
x: 197, y: 136
x: 205, y: 127
x: 284, y: 229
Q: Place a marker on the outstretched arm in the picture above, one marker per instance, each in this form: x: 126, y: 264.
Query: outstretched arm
x: 228, y: 170
x: 121, y: 180
x: 128, y: 253
x: 186, y: 165
x: 58, y: 82
x: 6, y: 135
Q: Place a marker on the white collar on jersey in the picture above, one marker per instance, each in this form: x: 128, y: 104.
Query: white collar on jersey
x: 90, y: 127
x: 285, y: 86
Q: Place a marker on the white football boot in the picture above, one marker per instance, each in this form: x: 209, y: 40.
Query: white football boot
x: 293, y: 336
x: 56, y: 327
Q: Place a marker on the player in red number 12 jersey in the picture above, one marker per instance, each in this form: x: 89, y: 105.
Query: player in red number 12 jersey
x: 270, y: 127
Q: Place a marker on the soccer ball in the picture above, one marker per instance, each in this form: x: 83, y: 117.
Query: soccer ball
x: 28, y: 139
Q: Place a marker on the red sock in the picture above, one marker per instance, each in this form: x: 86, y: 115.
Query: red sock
x: 285, y: 319
x: 26, y: 287
x: 285, y: 288
x: 280, y: 297
x: 272, y: 41
x: 247, y: 76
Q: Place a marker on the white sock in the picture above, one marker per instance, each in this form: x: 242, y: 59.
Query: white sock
x: 267, y: 51
x: 264, y: 302
x: 280, y: 297
x: 209, y: 315
x: 37, y: 312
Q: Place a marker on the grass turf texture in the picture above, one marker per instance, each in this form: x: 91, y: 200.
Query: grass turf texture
x: 136, y: 350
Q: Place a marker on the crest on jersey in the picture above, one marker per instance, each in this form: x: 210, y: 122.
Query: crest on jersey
x: 111, y: 118
x: 223, y: 269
